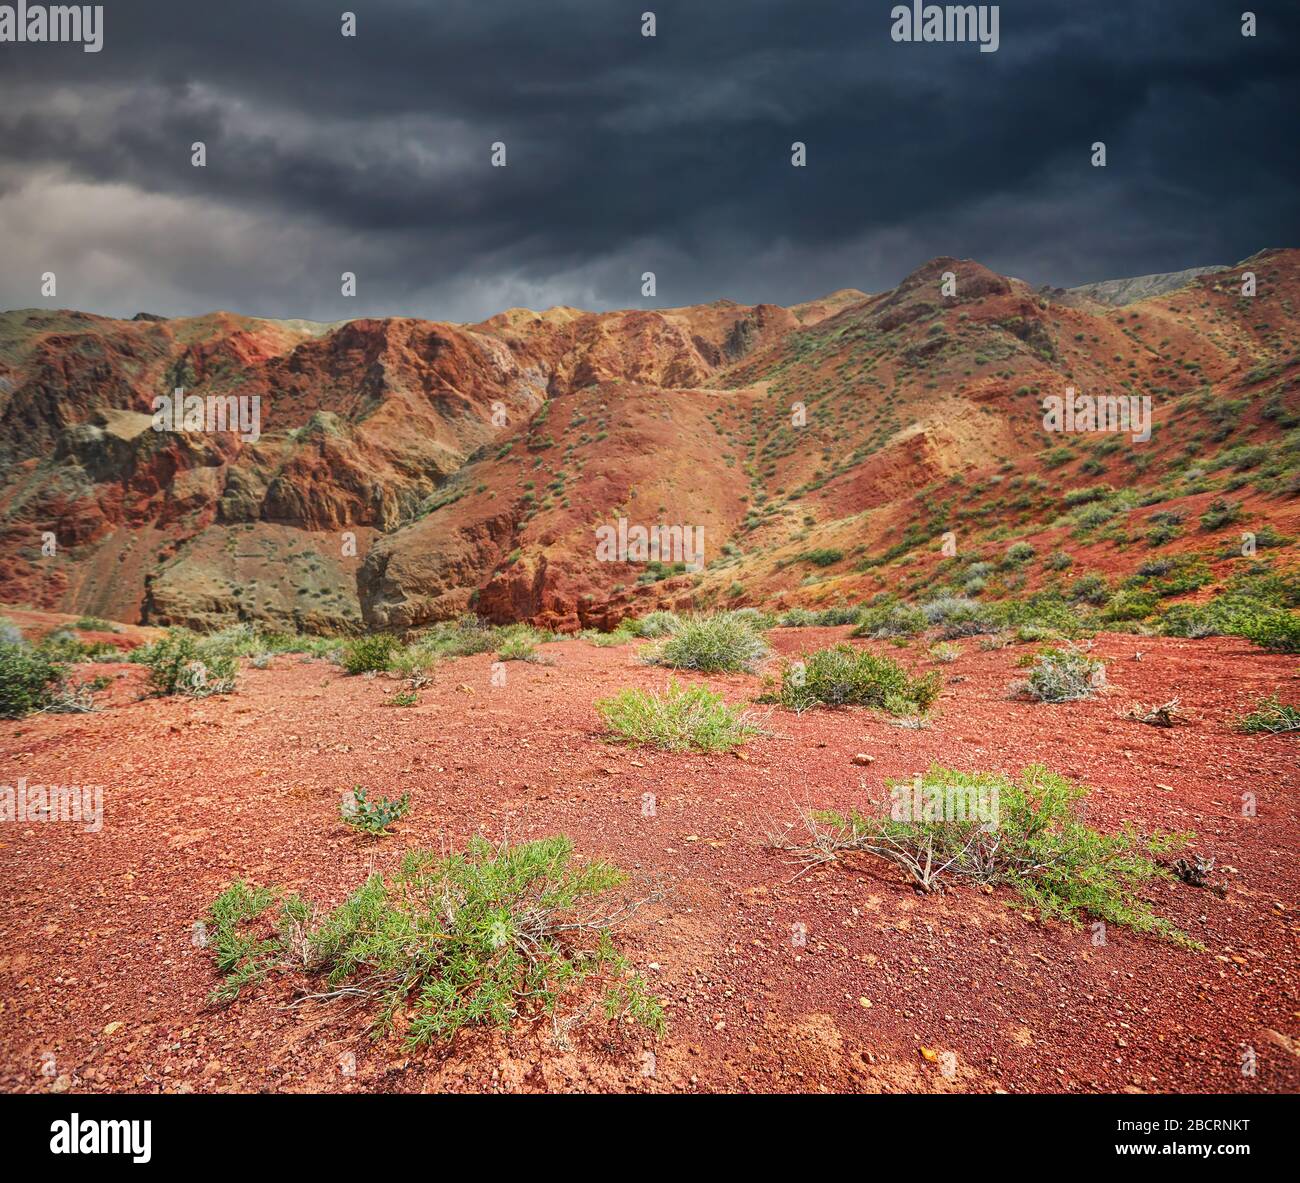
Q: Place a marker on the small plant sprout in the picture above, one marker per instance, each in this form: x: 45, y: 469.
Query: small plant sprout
x: 373, y: 818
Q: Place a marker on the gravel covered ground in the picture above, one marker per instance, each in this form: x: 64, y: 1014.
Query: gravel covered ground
x: 104, y: 989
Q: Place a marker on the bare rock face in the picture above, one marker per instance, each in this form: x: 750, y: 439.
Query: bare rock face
x: 403, y: 472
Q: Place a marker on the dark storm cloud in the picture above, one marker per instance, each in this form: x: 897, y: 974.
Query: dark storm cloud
x: 628, y: 154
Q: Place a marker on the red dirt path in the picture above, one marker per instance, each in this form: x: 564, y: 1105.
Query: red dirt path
x: 98, y: 970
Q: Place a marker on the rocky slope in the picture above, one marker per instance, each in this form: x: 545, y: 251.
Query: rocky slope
x: 406, y: 471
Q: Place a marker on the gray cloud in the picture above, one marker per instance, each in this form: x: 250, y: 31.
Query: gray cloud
x: 626, y: 154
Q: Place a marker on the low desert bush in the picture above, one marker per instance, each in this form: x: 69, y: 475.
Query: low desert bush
x: 722, y: 642
x: 1063, y: 675
x: 1220, y: 513
x: 460, y: 638
x: 1026, y: 832
x: 1257, y: 605
x: 1090, y: 589
x: 683, y: 718
x: 1271, y: 716
x: 369, y: 654
x: 518, y: 648
x: 519, y: 642
x: 478, y: 938
x: 821, y: 617
x: 654, y: 625
x: 180, y: 663
x: 891, y: 620
x: 619, y: 636
x: 1278, y: 631
x: 845, y: 676
x: 415, y: 663
x: 28, y: 678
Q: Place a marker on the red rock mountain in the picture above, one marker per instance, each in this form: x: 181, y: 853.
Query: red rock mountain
x: 408, y: 471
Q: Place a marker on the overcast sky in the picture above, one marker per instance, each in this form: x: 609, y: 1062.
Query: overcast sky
x: 628, y: 154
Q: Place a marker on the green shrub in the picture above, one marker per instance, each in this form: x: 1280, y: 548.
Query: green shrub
x: 655, y: 624
x: 1087, y: 495
x: 1063, y: 675
x: 238, y: 640
x: 477, y: 938
x: 1220, y: 513
x: 1026, y: 833
x: 179, y: 663
x: 957, y: 616
x: 844, y: 614
x: 717, y: 643
x: 518, y: 648
x: 619, y: 636
x: 755, y: 619
x: 1046, y: 610
x: 460, y: 638
x: 1090, y: 589
x: 891, y: 620
x: 1092, y: 516
x: 681, y: 719
x: 373, y: 817
x: 824, y: 557
x: 1271, y: 716
x: 95, y: 624
x: 1278, y: 631
x: 1019, y: 552
x: 1173, y: 575
x: 28, y: 678
x: 414, y: 662
x: 241, y: 958
x: 369, y: 654
x: 1255, y: 606
x: 845, y: 676
x: 1130, y: 605
x: 64, y: 645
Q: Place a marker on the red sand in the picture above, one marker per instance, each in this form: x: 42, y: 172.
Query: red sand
x: 99, y: 972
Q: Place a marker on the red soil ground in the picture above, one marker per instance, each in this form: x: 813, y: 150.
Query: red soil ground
x: 99, y: 972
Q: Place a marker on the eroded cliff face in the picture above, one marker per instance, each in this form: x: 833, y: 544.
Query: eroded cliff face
x: 403, y: 472
x: 358, y: 427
